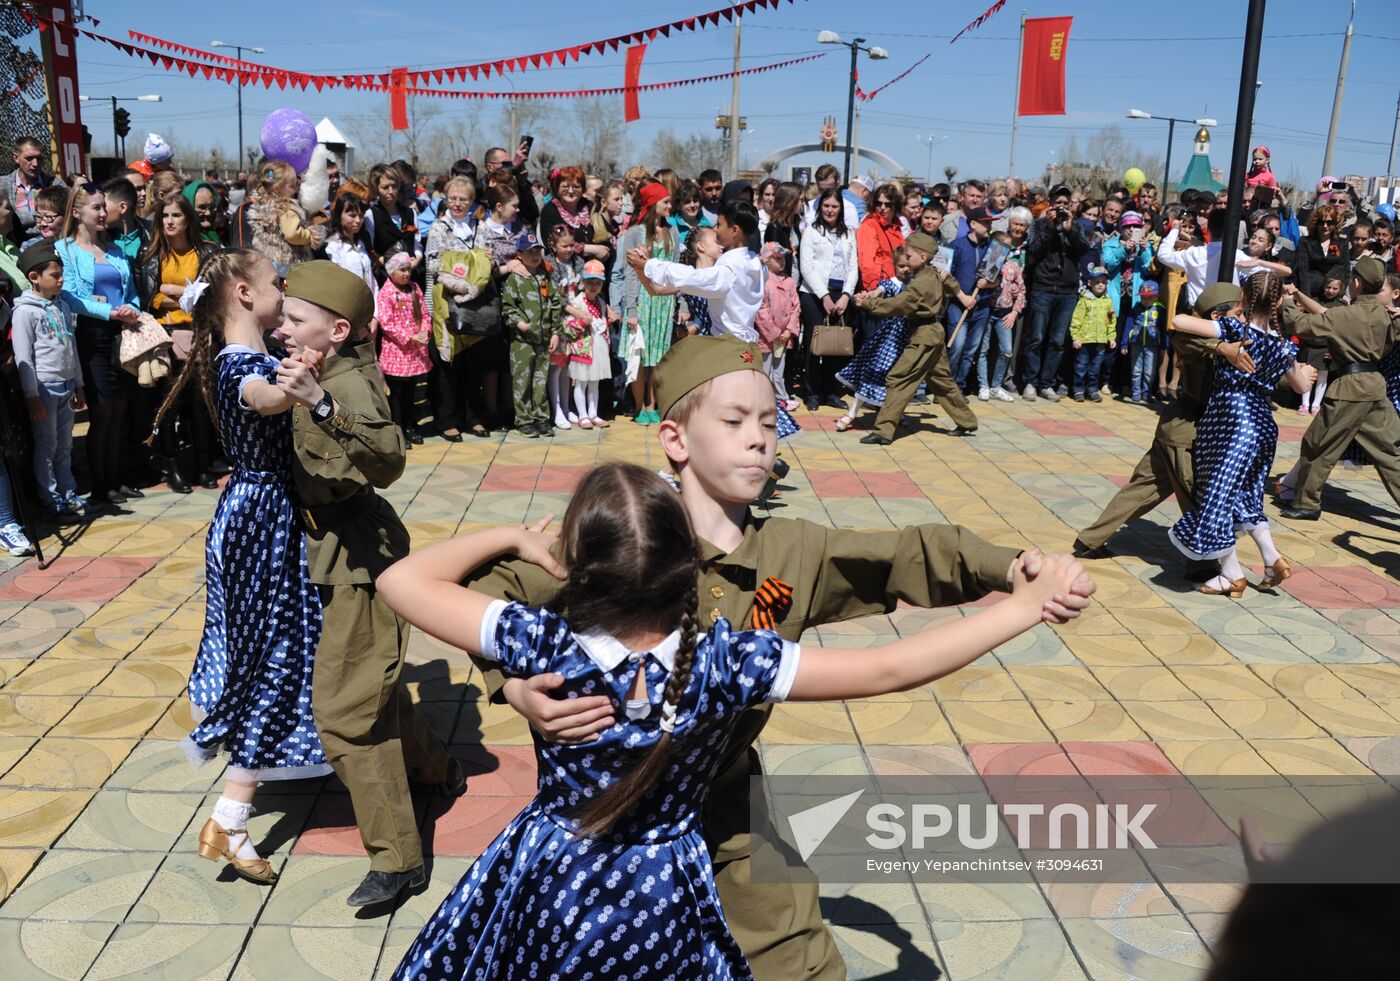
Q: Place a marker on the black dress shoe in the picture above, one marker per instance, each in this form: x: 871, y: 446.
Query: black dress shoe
x: 452, y: 437
x: 963, y: 431
x: 383, y: 887
x: 834, y: 402
x: 454, y: 786
x: 1301, y: 514
x: 812, y: 403
x: 876, y: 439
x: 208, y: 481
x: 177, y: 483
x: 1083, y: 551
x: 130, y: 492
x: 115, y: 497
x: 220, y: 467
x: 416, y: 438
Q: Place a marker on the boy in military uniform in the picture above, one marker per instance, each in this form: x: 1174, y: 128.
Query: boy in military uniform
x: 926, y: 356
x: 533, y: 314
x: 1356, y: 406
x: 346, y: 445
x: 788, y: 575
x: 1165, y: 468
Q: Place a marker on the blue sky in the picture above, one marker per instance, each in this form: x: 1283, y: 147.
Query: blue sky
x: 1183, y: 63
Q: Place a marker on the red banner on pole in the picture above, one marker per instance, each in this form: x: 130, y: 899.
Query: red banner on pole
x: 1043, y: 48
x: 631, y: 111
x: 61, y: 76
x: 398, y: 98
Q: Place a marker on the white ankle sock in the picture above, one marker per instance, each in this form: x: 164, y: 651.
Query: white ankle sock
x: 1230, y: 566
x: 231, y: 815
x: 1264, y: 538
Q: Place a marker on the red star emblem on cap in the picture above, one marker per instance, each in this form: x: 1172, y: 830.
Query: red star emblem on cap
x: 747, y: 357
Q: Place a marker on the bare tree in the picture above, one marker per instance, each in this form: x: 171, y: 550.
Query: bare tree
x: 459, y: 135
x: 599, y: 144
x: 687, y: 156
x: 421, y: 116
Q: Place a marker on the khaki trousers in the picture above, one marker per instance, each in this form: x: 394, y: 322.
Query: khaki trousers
x: 926, y: 356
x: 1374, y: 425
x: 371, y: 732
x: 1163, y: 471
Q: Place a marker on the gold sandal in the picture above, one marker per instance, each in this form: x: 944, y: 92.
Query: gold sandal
x: 1276, y: 574
x: 1235, y: 591
x: 213, y: 845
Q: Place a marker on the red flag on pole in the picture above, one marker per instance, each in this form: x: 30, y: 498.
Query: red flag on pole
x: 1043, y: 47
x: 631, y: 110
x: 398, y: 98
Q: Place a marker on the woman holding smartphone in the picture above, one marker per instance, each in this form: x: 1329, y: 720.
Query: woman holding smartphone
x: 829, y: 277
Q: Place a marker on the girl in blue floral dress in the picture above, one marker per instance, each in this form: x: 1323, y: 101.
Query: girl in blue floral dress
x: 606, y: 874
x: 865, y: 374
x: 1236, y: 439
x: 251, y: 683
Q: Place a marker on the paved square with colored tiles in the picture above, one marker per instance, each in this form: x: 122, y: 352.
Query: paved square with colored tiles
x: 99, y: 810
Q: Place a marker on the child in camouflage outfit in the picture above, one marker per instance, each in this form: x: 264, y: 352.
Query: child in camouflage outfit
x: 533, y: 312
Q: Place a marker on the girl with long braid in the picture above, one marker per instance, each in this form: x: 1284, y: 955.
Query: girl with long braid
x: 1236, y: 440
x: 251, y: 683
x: 606, y: 871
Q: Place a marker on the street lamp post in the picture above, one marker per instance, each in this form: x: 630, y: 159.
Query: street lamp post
x: 119, y: 149
x: 1171, y: 122
x: 930, y: 142
x: 856, y: 46
x: 242, y: 164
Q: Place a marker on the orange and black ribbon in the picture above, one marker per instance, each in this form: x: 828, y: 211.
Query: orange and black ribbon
x: 771, y: 604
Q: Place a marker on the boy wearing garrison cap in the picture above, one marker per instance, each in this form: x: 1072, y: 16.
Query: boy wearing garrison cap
x: 346, y: 445
x: 718, y: 408
x: 1166, y: 469
x: 921, y: 304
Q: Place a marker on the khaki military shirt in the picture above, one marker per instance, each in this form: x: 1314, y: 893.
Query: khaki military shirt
x: 921, y: 301
x: 1360, y: 332
x: 347, y: 457
x: 1196, y: 358
x: 836, y: 574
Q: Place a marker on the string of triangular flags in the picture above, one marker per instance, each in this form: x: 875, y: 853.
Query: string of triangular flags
x: 865, y: 96
x: 396, y: 80
x: 500, y: 66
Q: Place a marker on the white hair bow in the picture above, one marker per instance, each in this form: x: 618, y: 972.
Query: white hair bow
x: 193, y: 291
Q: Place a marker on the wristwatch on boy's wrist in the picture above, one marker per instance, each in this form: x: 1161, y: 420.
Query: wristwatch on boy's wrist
x: 323, y: 409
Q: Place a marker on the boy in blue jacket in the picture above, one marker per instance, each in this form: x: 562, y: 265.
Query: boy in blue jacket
x: 1141, y: 340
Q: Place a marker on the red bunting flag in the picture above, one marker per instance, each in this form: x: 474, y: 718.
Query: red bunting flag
x: 398, y: 99
x: 1043, y: 67
x: 631, y: 111
x: 986, y: 15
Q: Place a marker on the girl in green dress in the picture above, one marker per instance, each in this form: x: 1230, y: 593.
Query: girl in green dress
x: 650, y: 319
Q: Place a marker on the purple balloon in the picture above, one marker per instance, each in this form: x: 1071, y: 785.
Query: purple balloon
x: 289, y: 136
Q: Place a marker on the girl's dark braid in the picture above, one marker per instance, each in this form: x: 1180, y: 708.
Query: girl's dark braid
x: 215, y: 271
x: 1264, y: 291
x: 200, y: 364
x: 685, y: 654
x: 608, y: 807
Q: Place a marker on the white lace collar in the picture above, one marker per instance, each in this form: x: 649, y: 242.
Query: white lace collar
x: 608, y: 652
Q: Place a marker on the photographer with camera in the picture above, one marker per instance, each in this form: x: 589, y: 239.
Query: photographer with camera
x: 1056, y: 246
